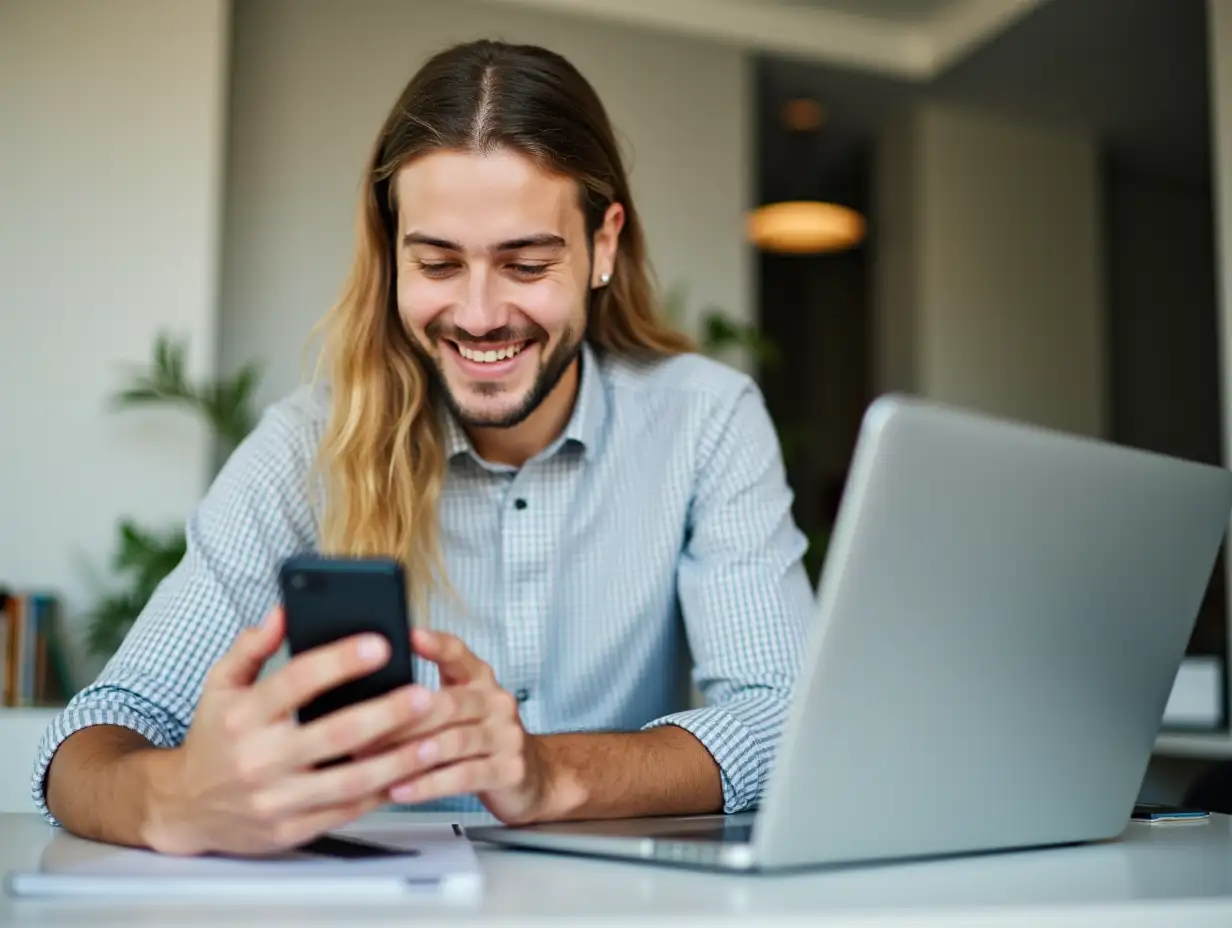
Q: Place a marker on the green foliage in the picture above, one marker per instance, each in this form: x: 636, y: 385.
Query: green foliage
x: 144, y: 557
x: 225, y: 405
x: 720, y: 335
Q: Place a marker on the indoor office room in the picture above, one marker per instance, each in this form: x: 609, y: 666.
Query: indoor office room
x: 488, y: 460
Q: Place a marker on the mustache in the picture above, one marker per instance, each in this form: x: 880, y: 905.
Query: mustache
x: 504, y: 335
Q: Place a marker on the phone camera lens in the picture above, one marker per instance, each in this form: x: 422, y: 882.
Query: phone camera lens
x: 299, y: 581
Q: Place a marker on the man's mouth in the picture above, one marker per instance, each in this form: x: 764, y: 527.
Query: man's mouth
x: 490, y: 355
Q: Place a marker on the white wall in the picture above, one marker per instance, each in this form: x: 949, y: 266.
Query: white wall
x: 110, y: 193
x: 312, y: 81
x: 1002, y: 257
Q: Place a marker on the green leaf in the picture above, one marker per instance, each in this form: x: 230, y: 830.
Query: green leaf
x: 143, y: 558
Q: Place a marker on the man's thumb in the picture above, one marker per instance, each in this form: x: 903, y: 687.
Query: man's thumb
x: 252, y: 648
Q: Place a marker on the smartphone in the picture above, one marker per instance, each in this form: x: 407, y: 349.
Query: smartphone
x: 328, y: 598
x: 348, y: 848
x: 1158, y: 812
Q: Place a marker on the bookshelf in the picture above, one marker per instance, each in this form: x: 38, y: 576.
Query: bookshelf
x: 33, y: 660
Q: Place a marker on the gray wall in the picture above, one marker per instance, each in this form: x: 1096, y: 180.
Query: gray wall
x: 989, y: 281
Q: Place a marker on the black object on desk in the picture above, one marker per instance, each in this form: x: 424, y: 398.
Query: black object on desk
x: 347, y: 848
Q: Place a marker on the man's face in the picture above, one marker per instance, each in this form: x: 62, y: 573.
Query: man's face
x: 493, y: 278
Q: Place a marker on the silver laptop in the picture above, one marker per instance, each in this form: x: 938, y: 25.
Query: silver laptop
x: 1000, y: 618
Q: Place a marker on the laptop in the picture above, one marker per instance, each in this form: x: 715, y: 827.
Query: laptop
x: 1000, y: 617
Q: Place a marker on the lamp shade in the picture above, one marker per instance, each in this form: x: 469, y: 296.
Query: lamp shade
x: 805, y: 227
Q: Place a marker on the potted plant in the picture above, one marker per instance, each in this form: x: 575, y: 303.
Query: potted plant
x: 144, y: 556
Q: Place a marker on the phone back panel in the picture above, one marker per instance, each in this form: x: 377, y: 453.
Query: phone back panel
x: 326, y: 599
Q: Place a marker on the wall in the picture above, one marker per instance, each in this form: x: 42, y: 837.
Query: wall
x: 1163, y: 353
x: 1003, y: 256
x: 1220, y: 57
x: 110, y: 196
x: 896, y: 257
x: 312, y: 81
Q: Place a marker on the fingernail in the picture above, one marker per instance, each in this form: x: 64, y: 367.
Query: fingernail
x: 403, y: 793
x: 371, y: 648
x: 420, y: 698
x: 427, y: 751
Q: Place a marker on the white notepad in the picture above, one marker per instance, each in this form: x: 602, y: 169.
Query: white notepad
x: 439, y: 862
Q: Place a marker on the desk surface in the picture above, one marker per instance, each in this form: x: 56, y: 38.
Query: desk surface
x: 1172, y: 875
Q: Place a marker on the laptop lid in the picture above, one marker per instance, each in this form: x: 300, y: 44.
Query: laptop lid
x: 1001, y: 615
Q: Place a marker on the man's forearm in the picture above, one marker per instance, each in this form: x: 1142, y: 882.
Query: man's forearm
x: 662, y: 771
x: 98, y: 784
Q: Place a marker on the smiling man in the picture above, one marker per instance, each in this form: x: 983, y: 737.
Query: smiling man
x: 573, y: 492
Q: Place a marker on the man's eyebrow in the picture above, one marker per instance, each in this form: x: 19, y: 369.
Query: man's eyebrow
x: 418, y: 238
x: 538, y: 240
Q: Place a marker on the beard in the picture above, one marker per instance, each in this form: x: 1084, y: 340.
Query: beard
x: 551, y: 369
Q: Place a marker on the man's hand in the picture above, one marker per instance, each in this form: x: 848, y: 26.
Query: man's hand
x: 245, y: 779
x: 471, y: 740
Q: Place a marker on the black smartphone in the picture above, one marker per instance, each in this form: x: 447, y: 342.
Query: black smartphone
x: 328, y: 598
x: 348, y: 848
x: 1161, y: 812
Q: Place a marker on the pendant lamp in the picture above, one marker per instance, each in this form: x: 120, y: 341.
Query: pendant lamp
x: 808, y: 224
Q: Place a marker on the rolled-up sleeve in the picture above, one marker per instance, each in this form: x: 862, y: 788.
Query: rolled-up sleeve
x: 256, y: 512
x: 744, y: 596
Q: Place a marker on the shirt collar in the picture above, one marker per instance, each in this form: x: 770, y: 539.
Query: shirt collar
x: 584, y: 428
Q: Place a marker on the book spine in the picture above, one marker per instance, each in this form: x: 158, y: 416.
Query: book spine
x: 12, y: 662
x: 33, y: 665
x: 5, y: 622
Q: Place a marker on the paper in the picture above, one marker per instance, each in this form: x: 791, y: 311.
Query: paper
x: 441, y: 863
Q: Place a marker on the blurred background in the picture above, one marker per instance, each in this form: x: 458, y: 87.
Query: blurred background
x: 1012, y: 205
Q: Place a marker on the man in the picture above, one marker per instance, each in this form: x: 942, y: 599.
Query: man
x: 504, y: 412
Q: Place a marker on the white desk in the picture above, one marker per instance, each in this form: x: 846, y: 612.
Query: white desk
x: 1154, y: 875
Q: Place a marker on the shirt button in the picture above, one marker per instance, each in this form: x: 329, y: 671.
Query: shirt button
x: 522, y: 695
x: 519, y: 503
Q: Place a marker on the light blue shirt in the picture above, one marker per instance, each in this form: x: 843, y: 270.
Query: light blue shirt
x: 658, y: 521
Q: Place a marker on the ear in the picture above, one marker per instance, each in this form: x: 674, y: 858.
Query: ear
x: 606, y: 244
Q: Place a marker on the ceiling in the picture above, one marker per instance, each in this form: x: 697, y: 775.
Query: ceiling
x: 911, y: 12
x: 911, y: 40
x: 1132, y: 72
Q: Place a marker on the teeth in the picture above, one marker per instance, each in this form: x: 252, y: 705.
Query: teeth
x: 489, y: 357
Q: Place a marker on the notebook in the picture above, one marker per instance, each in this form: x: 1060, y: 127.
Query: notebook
x: 374, y: 863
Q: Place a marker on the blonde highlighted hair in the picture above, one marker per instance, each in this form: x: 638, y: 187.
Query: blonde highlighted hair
x: 382, y: 456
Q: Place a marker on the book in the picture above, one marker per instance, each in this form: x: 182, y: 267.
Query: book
x: 33, y: 662
x: 378, y: 863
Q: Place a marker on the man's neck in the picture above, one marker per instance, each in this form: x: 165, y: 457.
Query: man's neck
x: 517, y: 445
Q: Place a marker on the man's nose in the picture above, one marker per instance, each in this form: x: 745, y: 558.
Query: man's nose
x: 481, y: 309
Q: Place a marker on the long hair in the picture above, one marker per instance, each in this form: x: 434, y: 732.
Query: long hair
x: 382, y: 455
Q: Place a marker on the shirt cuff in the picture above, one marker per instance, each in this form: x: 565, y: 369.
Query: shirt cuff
x: 734, y: 747
x: 83, y: 715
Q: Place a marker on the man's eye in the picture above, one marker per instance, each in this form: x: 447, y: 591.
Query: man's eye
x: 437, y: 268
x: 529, y: 270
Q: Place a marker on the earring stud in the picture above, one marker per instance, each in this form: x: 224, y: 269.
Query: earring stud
x: 604, y: 278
